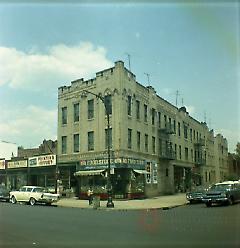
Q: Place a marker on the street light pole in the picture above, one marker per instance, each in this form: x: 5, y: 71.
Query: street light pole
x: 110, y: 203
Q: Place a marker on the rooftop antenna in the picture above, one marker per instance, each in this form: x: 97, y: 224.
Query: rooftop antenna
x: 129, y: 61
x: 147, y: 74
x: 182, y: 102
x: 177, y: 95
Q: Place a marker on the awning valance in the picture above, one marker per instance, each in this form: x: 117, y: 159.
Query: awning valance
x: 88, y: 173
x: 140, y: 171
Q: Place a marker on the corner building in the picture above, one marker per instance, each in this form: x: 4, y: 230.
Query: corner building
x: 156, y: 148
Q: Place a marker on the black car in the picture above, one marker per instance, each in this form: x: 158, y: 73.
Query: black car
x: 196, y: 194
x: 4, y: 193
x: 222, y: 193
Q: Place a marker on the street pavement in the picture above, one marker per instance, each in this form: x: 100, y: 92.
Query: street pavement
x: 160, y: 202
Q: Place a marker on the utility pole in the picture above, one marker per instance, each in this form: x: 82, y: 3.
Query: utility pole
x: 148, y: 76
x: 129, y: 61
x: 110, y: 203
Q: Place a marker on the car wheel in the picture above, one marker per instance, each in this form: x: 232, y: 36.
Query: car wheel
x: 32, y: 201
x: 208, y: 204
x: 13, y: 200
x: 48, y: 204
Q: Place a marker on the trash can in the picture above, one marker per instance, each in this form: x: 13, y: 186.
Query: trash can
x: 96, y: 201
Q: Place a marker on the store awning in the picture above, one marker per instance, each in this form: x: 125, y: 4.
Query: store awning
x: 88, y: 173
x: 140, y: 171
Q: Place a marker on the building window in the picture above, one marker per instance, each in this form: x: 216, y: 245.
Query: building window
x: 138, y: 140
x: 64, y: 144
x: 108, y: 104
x: 153, y: 145
x: 76, y: 112
x: 129, y: 138
x: 64, y: 115
x: 194, y: 134
x: 153, y: 116
x: 179, y: 129
x: 191, y: 134
x: 186, y: 153
x: 180, y: 152
x: 174, y: 126
x: 175, y: 149
x: 129, y: 105
x: 76, y: 143
x: 159, y: 119
x: 192, y: 155
x: 138, y: 110
x: 90, y: 109
x: 110, y: 138
x: 165, y: 121
x: 145, y: 112
x: 90, y: 141
x: 185, y: 131
x: 146, y: 143
x: 206, y: 176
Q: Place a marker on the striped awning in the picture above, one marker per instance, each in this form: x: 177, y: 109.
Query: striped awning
x: 88, y: 173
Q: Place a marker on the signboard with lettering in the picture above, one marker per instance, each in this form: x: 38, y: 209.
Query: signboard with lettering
x: 114, y: 163
x: 2, y: 164
x: 44, y: 160
x: 149, y: 172
x: 17, y: 164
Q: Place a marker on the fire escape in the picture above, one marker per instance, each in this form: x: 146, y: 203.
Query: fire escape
x: 200, y: 156
x: 166, y: 151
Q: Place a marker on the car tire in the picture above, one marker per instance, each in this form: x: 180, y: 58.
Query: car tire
x: 48, y: 204
x: 208, y: 204
x: 13, y: 200
x: 32, y: 201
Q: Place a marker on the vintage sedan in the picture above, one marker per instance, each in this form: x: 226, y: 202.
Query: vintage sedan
x: 222, y: 193
x: 33, y: 195
x: 4, y: 193
x: 196, y: 194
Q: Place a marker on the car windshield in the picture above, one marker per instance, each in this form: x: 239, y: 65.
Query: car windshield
x: 221, y: 187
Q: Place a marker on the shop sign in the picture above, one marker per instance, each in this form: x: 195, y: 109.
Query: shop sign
x: 17, y: 164
x: 149, y: 172
x: 45, y: 160
x: 118, y: 161
x: 2, y: 164
x: 154, y: 173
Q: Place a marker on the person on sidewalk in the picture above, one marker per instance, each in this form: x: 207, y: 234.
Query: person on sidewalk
x: 90, y: 196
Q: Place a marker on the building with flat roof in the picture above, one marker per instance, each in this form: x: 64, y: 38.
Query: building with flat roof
x: 156, y: 148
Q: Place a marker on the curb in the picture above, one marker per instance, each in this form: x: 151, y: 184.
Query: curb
x: 125, y: 209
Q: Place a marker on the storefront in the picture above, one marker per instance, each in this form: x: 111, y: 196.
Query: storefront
x: 182, y: 178
x: 127, y: 177
x: 42, y: 170
x: 3, y: 178
x: 16, y: 173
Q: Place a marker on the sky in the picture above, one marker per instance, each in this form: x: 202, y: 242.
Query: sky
x: 192, y: 47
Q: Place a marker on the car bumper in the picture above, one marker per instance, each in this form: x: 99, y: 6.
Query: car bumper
x: 215, y: 200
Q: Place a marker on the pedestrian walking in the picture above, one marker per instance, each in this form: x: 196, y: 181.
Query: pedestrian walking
x: 90, y: 196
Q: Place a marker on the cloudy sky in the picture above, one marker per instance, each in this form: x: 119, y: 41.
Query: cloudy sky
x: 188, y: 47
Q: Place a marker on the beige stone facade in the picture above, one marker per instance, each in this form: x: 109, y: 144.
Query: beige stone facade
x: 144, y: 127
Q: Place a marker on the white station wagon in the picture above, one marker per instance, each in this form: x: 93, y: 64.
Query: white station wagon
x: 33, y: 195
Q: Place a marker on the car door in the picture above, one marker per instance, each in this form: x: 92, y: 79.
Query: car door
x: 20, y: 194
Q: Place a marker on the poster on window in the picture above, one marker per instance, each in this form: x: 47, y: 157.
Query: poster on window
x: 149, y: 172
x: 154, y: 173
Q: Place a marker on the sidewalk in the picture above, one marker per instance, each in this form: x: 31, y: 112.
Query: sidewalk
x: 160, y: 202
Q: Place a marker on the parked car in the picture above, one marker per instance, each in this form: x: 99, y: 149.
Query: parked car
x: 33, y: 195
x: 4, y: 193
x: 222, y: 193
x: 196, y: 194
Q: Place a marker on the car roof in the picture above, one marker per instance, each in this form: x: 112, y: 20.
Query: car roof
x: 227, y: 182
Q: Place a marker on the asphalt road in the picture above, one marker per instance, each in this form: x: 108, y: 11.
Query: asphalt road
x: 187, y: 226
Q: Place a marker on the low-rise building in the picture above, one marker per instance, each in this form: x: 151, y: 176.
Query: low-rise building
x: 156, y: 148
